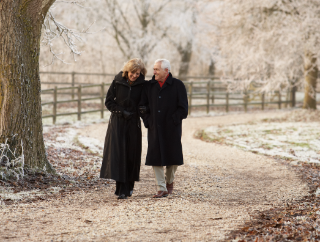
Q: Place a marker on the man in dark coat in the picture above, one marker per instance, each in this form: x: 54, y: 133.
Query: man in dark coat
x: 166, y: 99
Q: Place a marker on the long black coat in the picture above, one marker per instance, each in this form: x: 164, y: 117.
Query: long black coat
x: 168, y: 106
x: 122, y: 147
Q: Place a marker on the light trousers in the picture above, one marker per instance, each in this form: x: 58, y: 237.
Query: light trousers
x: 161, y: 178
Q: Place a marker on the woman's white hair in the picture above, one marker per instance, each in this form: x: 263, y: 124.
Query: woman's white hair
x: 165, y: 64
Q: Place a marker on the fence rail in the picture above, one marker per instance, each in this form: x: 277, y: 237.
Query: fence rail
x: 73, y: 75
x: 210, y: 92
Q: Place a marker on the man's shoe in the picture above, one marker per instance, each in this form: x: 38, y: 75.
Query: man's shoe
x: 170, y: 188
x: 161, y: 194
x: 122, y: 196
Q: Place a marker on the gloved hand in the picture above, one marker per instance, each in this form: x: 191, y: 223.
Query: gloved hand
x: 143, y: 109
x: 127, y: 115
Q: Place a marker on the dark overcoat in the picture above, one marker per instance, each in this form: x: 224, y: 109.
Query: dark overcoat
x: 122, y: 147
x: 168, y: 106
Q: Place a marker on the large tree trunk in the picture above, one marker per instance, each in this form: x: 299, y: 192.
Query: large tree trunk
x: 311, y: 75
x: 185, y: 54
x: 20, y: 103
x: 212, y: 68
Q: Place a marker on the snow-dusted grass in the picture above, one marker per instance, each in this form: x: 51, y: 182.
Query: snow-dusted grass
x: 296, y: 141
x: 71, y: 150
x: 8, y: 193
x: 70, y: 138
x: 92, y: 144
x: 10, y: 168
x: 74, y: 158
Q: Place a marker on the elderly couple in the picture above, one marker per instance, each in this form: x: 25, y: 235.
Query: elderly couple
x: 162, y: 104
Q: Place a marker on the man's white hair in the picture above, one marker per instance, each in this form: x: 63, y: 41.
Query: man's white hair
x: 165, y: 64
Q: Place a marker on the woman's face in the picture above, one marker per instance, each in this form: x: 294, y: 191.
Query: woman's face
x: 133, y: 75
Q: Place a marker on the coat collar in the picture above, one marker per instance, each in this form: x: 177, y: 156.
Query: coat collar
x: 168, y: 81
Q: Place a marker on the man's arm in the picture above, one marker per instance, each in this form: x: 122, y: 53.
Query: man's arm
x: 182, y: 110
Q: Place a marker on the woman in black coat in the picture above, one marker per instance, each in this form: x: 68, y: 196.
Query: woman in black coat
x: 122, y: 148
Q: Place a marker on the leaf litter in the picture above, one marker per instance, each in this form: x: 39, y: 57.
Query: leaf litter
x: 77, y: 168
x: 293, y: 140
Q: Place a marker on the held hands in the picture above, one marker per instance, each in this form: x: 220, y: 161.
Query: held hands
x: 127, y: 115
x: 143, y: 110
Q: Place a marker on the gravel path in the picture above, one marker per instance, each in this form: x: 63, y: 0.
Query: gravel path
x: 215, y: 191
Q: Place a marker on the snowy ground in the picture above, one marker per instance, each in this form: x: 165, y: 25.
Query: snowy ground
x: 74, y: 157
x: 296, y: 141
x: 68, y: 144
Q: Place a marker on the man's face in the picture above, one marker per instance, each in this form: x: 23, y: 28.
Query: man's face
x: 134, y: 75
x: 159, y: 74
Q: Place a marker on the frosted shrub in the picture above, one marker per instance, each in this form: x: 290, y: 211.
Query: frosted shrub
x: 10, y: 169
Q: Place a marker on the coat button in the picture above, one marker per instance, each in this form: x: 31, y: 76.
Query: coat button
x: 158, y: 111
x: 159, y: 96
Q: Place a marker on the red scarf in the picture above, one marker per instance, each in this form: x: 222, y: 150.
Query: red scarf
x: 161, y: 83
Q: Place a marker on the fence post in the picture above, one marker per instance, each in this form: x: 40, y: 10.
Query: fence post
x: 293, y: 96
x: 287, y: 98
x: 227, y: 102
x: 245, y: 101
x: 79, y: 102
x: 279, y: 99
x: 55, y: 94
x: 72, y: 84
x: 262, y: 101
x: 102, y: 103
x: 208, y: 96
x: 190, y: 97
x: 212, y: 97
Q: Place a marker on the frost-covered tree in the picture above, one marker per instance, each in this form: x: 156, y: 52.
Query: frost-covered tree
x: 21, y: 25
x: 139, y: 27
x: 274, y: 44
x: 135, y: 25
x: 20, y: 105
x: 182, y: 31
x: 149, y: 29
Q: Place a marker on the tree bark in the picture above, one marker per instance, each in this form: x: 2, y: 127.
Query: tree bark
x: 212, y: 68
x: 185, y: 54
x: 311, y: 75
x: 20, y: 101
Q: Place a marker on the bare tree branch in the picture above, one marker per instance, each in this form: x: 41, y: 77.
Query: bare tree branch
x: 52, y: 30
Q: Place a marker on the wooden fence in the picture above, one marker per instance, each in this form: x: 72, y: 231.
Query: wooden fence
x: 209, y: 92
x: 213, y: 90
x: 78, y: 100
x: 73, y: 77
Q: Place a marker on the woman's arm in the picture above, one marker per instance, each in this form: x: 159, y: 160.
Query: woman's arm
x: 110, y: 102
